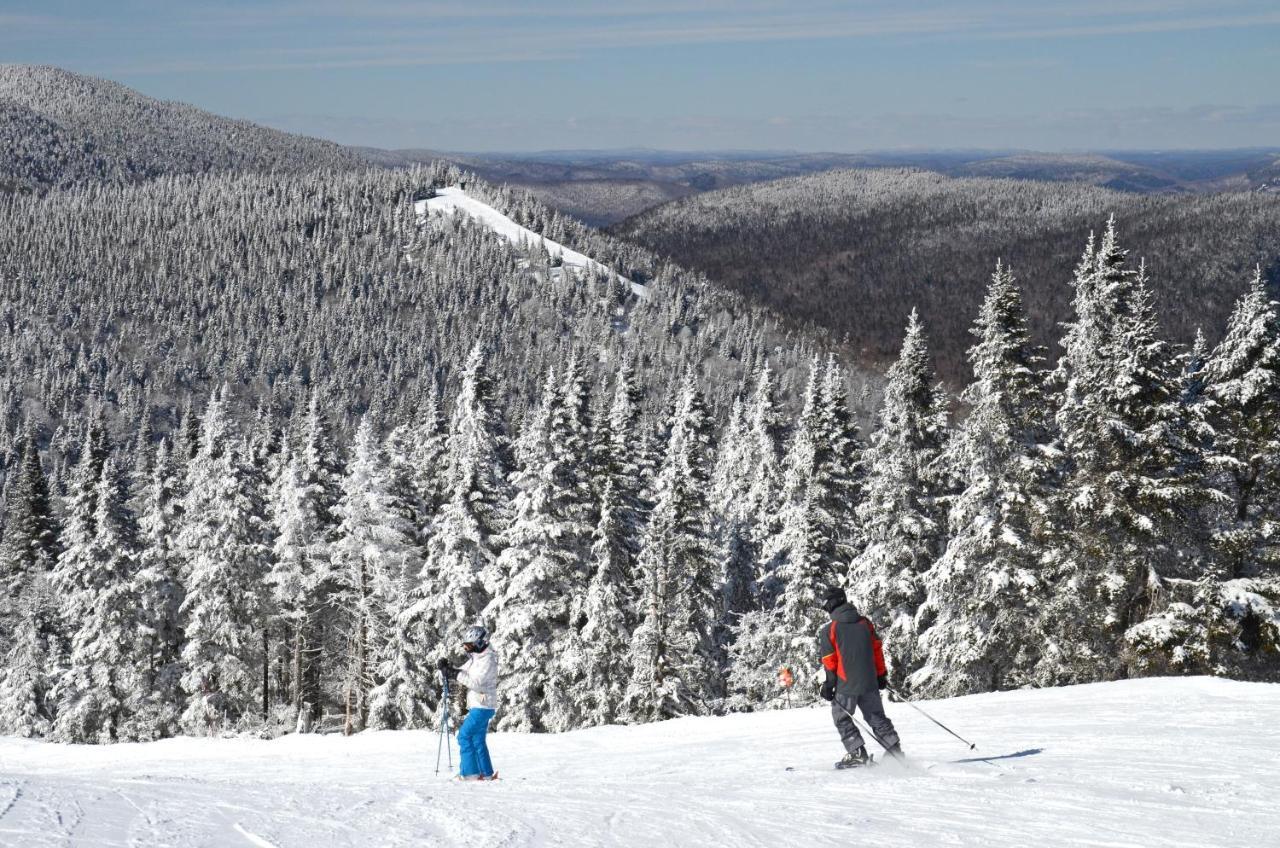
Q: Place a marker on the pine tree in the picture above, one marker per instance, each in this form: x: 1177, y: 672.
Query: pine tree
x: 299, y: 575
x: 618, y: 461
x: 798, y: 477
x: 374, y: 554
x: 902, y: 517
x: 30, y: 661
x: 98, y: 692
x: 322, y: 645
x: 1243, y: 385
x: 427, y: 456
x: 675, y: 668
x: 29, y: 551
x: 30, y: 544
x: 839, y: 468
x: 221, y: 542
x: 600, y: 649
x: 73, y: 570
x: 158, y: 583
x: 464, y: 537
x: 745, y: 494
x: 542, y: 561
x: 303, y: 498
x: 983, y: 594
x: 1124, y: 499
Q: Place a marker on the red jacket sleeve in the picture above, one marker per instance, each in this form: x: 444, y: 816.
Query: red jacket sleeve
x: 877, y: 649
x: 827, y: 645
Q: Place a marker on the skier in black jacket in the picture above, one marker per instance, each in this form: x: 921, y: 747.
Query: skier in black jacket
x: 854, y: 662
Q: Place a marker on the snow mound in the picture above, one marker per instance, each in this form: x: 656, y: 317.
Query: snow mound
x: 1160, y: 762
x: 452, y: 200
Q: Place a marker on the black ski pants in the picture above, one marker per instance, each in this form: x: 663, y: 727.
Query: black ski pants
x: 872, y: 712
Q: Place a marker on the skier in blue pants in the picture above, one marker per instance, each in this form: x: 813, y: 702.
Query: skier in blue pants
x: 480, y: 675
x: 471, y: 744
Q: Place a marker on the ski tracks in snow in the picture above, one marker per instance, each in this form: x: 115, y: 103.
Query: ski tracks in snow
x: 1141, y: 763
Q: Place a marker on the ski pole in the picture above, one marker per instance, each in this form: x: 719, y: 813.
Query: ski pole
x: 863, y: 727
x: 445, y: 729
x: 898, y: 695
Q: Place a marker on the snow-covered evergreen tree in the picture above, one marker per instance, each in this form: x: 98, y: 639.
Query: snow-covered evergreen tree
x: 302, y: 502
x: 983, y: 594
x: 221, y: 542
x: 600, y: 650
x: 673, y: 656
x: 618, y: 460
x: 30, y: 543
x: 902, y: 516
x: 74, y: 568
x: 839, y: 469
x: 29, y: 661
x: 464, y: 537
x: 427, y: 456
x: 98, y: 693
x: 159, y: 591
x: 1125, y: 498
x: 374, y: 553
x: 1243, y: 377
x: 746, y: 489
x: 543, y: 563
x: 299, y: 574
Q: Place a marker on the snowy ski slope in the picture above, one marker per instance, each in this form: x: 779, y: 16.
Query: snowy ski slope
x: 452, y: 200
x: 1185, y: 762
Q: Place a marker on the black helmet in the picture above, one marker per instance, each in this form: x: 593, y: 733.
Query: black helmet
x: 833, y: 597
x: 476, y: 639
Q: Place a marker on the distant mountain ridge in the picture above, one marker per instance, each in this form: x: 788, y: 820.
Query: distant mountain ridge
x: 603, y: 187
x: 59, y: 128
x: 857, y: 250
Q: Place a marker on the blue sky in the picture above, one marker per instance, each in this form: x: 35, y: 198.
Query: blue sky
x: 692, y: 74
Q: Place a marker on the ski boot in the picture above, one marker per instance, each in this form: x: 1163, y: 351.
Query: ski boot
x: 895, y: 751
x: 855, y: 759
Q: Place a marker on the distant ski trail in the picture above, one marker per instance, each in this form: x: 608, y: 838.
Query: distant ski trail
x: 451, y: 200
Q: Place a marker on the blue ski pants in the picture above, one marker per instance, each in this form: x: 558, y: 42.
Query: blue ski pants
x: 472, y: 745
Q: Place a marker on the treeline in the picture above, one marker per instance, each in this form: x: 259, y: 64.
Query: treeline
x: 1113, y: 516
x: 123, y: 309
x: 856, y: 251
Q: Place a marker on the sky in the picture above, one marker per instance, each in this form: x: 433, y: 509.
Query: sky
x: 807, y: 75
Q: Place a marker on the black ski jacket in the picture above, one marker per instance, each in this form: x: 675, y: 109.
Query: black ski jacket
x: 850, y: 650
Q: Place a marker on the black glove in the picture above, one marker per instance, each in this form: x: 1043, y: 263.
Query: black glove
x: 829, y: 688
x: 447, y: 669
x: 882, y: 682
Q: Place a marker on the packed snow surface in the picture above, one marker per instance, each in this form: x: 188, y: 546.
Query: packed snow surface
x: 1188, y: 762
x: 451, y: 200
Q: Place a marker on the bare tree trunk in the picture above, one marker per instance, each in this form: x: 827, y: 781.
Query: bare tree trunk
x: 266, y: 673
x: 362, y: 647
x: 297, y: 669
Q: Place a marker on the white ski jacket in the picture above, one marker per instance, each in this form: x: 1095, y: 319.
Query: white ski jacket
x: 480, y: 676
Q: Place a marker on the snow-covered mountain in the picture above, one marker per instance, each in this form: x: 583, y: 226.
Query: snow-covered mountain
x: 59, y: 128
x: 1161, y: 762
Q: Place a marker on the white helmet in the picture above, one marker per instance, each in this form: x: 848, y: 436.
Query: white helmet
x: 476, y: 637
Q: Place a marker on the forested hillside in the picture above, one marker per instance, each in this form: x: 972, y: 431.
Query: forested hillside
x: 271, y: 442
x: 58, y: 128
x: 856, y: 251
x: 270, y: 438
